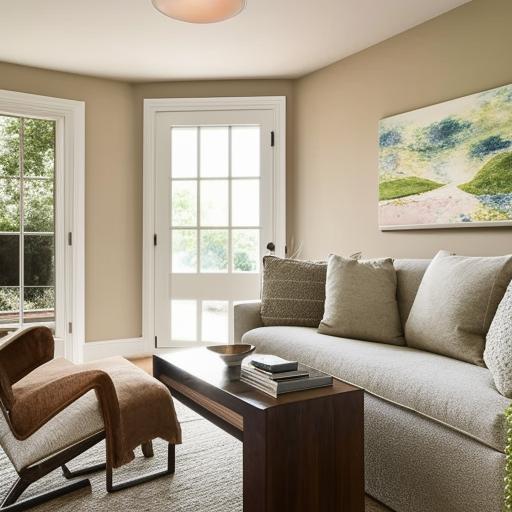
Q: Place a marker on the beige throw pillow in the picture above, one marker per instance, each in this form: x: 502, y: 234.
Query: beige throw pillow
x: 360, y: 300
x: 293, y: 292
x: 455, y: 304
x: 498, y: 348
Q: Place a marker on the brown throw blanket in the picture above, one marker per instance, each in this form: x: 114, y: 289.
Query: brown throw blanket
x: 136, y: 407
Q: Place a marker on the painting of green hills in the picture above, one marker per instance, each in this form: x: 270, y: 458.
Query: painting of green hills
x: 448, y: 165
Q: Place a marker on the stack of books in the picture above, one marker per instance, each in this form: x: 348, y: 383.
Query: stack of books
x: 275, y: 376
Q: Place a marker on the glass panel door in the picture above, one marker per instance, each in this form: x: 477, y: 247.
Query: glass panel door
x: 27, y: 227
x: 213, y: 218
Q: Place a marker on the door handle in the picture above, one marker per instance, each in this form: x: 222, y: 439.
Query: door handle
x: 271, y: 247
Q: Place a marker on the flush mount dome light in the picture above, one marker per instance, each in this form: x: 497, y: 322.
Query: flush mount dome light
x: 199, y: 11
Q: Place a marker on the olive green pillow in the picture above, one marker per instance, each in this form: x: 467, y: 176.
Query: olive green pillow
x: 360, y: 300
x: 293, y: 292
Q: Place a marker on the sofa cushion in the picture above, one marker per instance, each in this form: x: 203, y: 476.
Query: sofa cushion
x: 293, y: 292
x: 360, y: 300
x: 449, y: 391
x: 498, y: 348
x: 455, y: 304
x: 409, y: 274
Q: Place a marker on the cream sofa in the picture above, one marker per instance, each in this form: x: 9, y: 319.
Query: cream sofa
x: 434, y: 426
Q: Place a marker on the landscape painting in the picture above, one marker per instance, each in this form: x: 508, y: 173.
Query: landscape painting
x: 448, y: 165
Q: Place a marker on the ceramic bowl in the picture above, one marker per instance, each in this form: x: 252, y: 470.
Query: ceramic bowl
x: 232, y: 355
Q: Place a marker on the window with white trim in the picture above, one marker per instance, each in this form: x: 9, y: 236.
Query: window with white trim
x: 27, y: 221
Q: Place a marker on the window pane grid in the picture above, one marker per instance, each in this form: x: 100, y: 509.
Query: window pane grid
x: 198, y: 214
x: 37, y: 178
x: 206, y: 230
x: 22, y: 217
x: 208, y: 178
x: 37, y: 233
x: 32, y: 181
x: 174, y: 228
x: 230, y: 201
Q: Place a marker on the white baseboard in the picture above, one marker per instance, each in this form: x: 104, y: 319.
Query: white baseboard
x: 59, y: 348
x: 130, y: 347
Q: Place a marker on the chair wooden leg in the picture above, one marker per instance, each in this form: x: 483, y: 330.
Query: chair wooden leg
x: 147, y: 449
x: 31, y: 474
x: 10, y: 503
x: 15, y: 492
x: 111, y: 487
x: 171, y: 459
x: 69, y: 473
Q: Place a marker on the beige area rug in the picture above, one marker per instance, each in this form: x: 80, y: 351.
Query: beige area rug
x: 208, y: 477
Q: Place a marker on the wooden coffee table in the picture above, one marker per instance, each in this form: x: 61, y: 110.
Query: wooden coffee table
x: 302, y: 452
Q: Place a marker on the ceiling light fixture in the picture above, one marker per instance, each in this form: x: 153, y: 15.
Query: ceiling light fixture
x: 200, y: 11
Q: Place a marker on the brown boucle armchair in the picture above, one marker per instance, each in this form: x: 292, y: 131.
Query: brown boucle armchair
x: 53, y: 410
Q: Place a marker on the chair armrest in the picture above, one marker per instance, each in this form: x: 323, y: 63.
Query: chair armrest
x: 37, y: 400
x: 20, y: 353
x: 246, y: 317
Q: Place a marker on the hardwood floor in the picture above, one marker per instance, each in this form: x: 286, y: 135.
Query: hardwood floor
x: 146, y: 363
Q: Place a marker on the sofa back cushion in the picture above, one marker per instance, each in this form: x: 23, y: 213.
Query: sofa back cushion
x: 409, y: 273
x: 293, y: 292
x: 360, y: 300
x: 455, y: 304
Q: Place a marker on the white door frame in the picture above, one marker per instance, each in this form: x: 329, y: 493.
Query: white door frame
x: 69, y: 116
x: 277, y: 104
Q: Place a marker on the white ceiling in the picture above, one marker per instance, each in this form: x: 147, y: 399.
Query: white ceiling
x: 130, y: 40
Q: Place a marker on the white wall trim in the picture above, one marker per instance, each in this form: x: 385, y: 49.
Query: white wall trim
x: 151, y: 108
x: 59, y: 348
x: 70, y: 155
x: 129, y: 347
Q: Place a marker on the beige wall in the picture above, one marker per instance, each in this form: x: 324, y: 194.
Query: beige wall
x: 337, y: 110
x: 332, y: 149
x: 112, y: 196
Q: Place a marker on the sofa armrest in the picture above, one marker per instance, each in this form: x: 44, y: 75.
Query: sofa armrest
x: 246, y: 317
